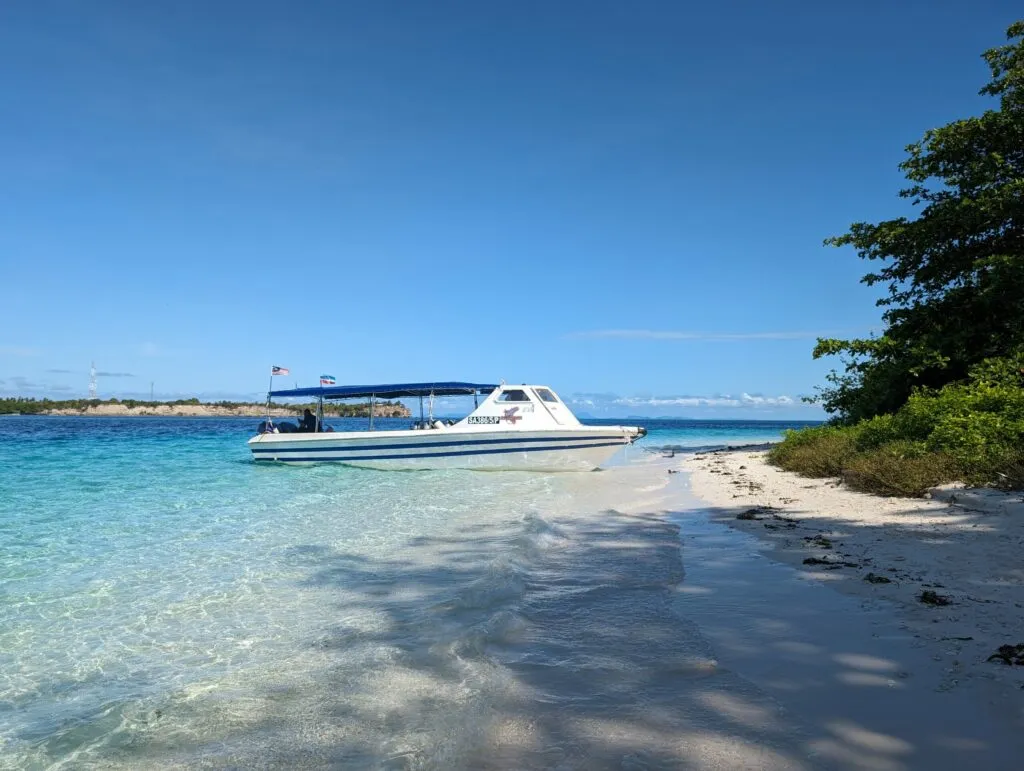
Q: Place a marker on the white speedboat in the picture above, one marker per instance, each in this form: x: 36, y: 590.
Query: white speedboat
x: 524, y: 427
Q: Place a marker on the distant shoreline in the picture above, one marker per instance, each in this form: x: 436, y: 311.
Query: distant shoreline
x: 180, y: 415
x: 194, y: 409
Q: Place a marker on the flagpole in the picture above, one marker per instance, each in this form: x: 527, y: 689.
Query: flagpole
x: 270, y: 387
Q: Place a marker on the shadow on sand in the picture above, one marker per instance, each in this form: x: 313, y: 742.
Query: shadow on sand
x: 579, y: 643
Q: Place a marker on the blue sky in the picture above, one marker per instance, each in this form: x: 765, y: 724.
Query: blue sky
x: 624, y: 200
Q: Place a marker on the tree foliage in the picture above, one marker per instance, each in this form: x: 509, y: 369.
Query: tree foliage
x: 955, y: 273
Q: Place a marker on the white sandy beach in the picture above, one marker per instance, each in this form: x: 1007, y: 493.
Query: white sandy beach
x: 969, y: 554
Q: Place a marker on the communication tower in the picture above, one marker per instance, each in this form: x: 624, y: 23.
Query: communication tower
x: 92, y: 381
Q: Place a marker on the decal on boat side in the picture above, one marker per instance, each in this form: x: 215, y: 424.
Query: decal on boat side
x: 511, y: 416
x: 484, y: 419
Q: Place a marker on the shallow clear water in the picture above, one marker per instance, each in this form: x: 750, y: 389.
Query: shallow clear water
x: 165, y: 601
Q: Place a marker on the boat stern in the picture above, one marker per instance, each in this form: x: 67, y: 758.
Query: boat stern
x: 633, y: 433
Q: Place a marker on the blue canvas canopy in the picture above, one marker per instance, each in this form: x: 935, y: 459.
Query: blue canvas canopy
x: 389, y: 390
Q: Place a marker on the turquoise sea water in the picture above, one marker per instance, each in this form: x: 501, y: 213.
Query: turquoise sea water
x: 166, y: 602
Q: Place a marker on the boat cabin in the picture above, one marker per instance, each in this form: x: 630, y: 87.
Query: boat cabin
x: 526, y: 407
x: 504, y: 406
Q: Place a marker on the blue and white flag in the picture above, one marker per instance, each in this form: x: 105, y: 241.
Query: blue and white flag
x: 327, y: 380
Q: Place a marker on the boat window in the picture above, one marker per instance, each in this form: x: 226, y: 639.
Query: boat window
x: 513, y: 395
x: 546, y: 395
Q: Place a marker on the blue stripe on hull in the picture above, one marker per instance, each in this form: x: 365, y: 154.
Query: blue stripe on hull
x: 407, y: 456
x: 256, y: 448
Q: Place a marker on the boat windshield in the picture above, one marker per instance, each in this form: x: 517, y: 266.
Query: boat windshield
x: 546, y: 395
x: 513, y: 395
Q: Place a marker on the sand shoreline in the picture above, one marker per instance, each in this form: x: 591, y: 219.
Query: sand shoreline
x: 970, y: 554
x: 797, y: 675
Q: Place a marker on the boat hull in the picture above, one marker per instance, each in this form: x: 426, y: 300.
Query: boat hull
x: 568, y: 450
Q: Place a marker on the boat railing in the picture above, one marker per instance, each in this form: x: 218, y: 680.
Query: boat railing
x: 432, y: 424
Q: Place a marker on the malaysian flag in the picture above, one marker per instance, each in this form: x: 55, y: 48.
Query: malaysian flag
x: 280, y: 371
x: 327, y: 380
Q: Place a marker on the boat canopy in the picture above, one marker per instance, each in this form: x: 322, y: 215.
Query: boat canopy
x: 389, y: 390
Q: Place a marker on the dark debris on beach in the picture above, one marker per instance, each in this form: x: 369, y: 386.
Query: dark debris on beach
x: 1009, y: 655
x: 818, y: 540
x: 830, y: 564
x: 928, y: 597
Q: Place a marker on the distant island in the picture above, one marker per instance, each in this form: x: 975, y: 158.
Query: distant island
x: 190, y: 408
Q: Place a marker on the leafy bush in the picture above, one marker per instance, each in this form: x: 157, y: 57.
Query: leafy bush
x: 822, y: 451
x: 972, y: 430
x: 877, y: 431
x: 978, y: 423
x: 899, y: 468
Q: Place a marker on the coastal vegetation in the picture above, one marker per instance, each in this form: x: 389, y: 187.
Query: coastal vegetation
x: 15, y: 405
x: 938, y: 396
x: 189, y: 407
x: 393, y: 409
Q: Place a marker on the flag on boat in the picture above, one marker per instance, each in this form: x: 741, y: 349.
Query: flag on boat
x: 327, y: 380
x: 280, y: 371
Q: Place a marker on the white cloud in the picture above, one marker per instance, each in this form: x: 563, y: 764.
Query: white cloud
x: 655, y: 334
x: 149, y: 349
x: 19, y: 385
x: 744, y: 400
x: 23, y: 383
x: 18, y: 350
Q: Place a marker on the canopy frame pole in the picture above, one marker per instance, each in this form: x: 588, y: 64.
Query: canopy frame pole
x: 475, y: 405
x: 421, y: 411
x: 371, y: 411
x: 431, y: 408
x: 319, y: 414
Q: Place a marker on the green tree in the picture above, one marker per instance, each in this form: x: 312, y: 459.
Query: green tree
x: 955, y: 274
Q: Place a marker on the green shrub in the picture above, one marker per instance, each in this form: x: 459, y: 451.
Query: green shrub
x: 877, y: 431
x: 972, y: 430
x: 1004, y: 470
x: 900, y: 468
x: 815, y: 452
x: 980, y: 422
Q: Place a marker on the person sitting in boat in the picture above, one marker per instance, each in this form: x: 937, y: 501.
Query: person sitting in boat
x: 308, y: 423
